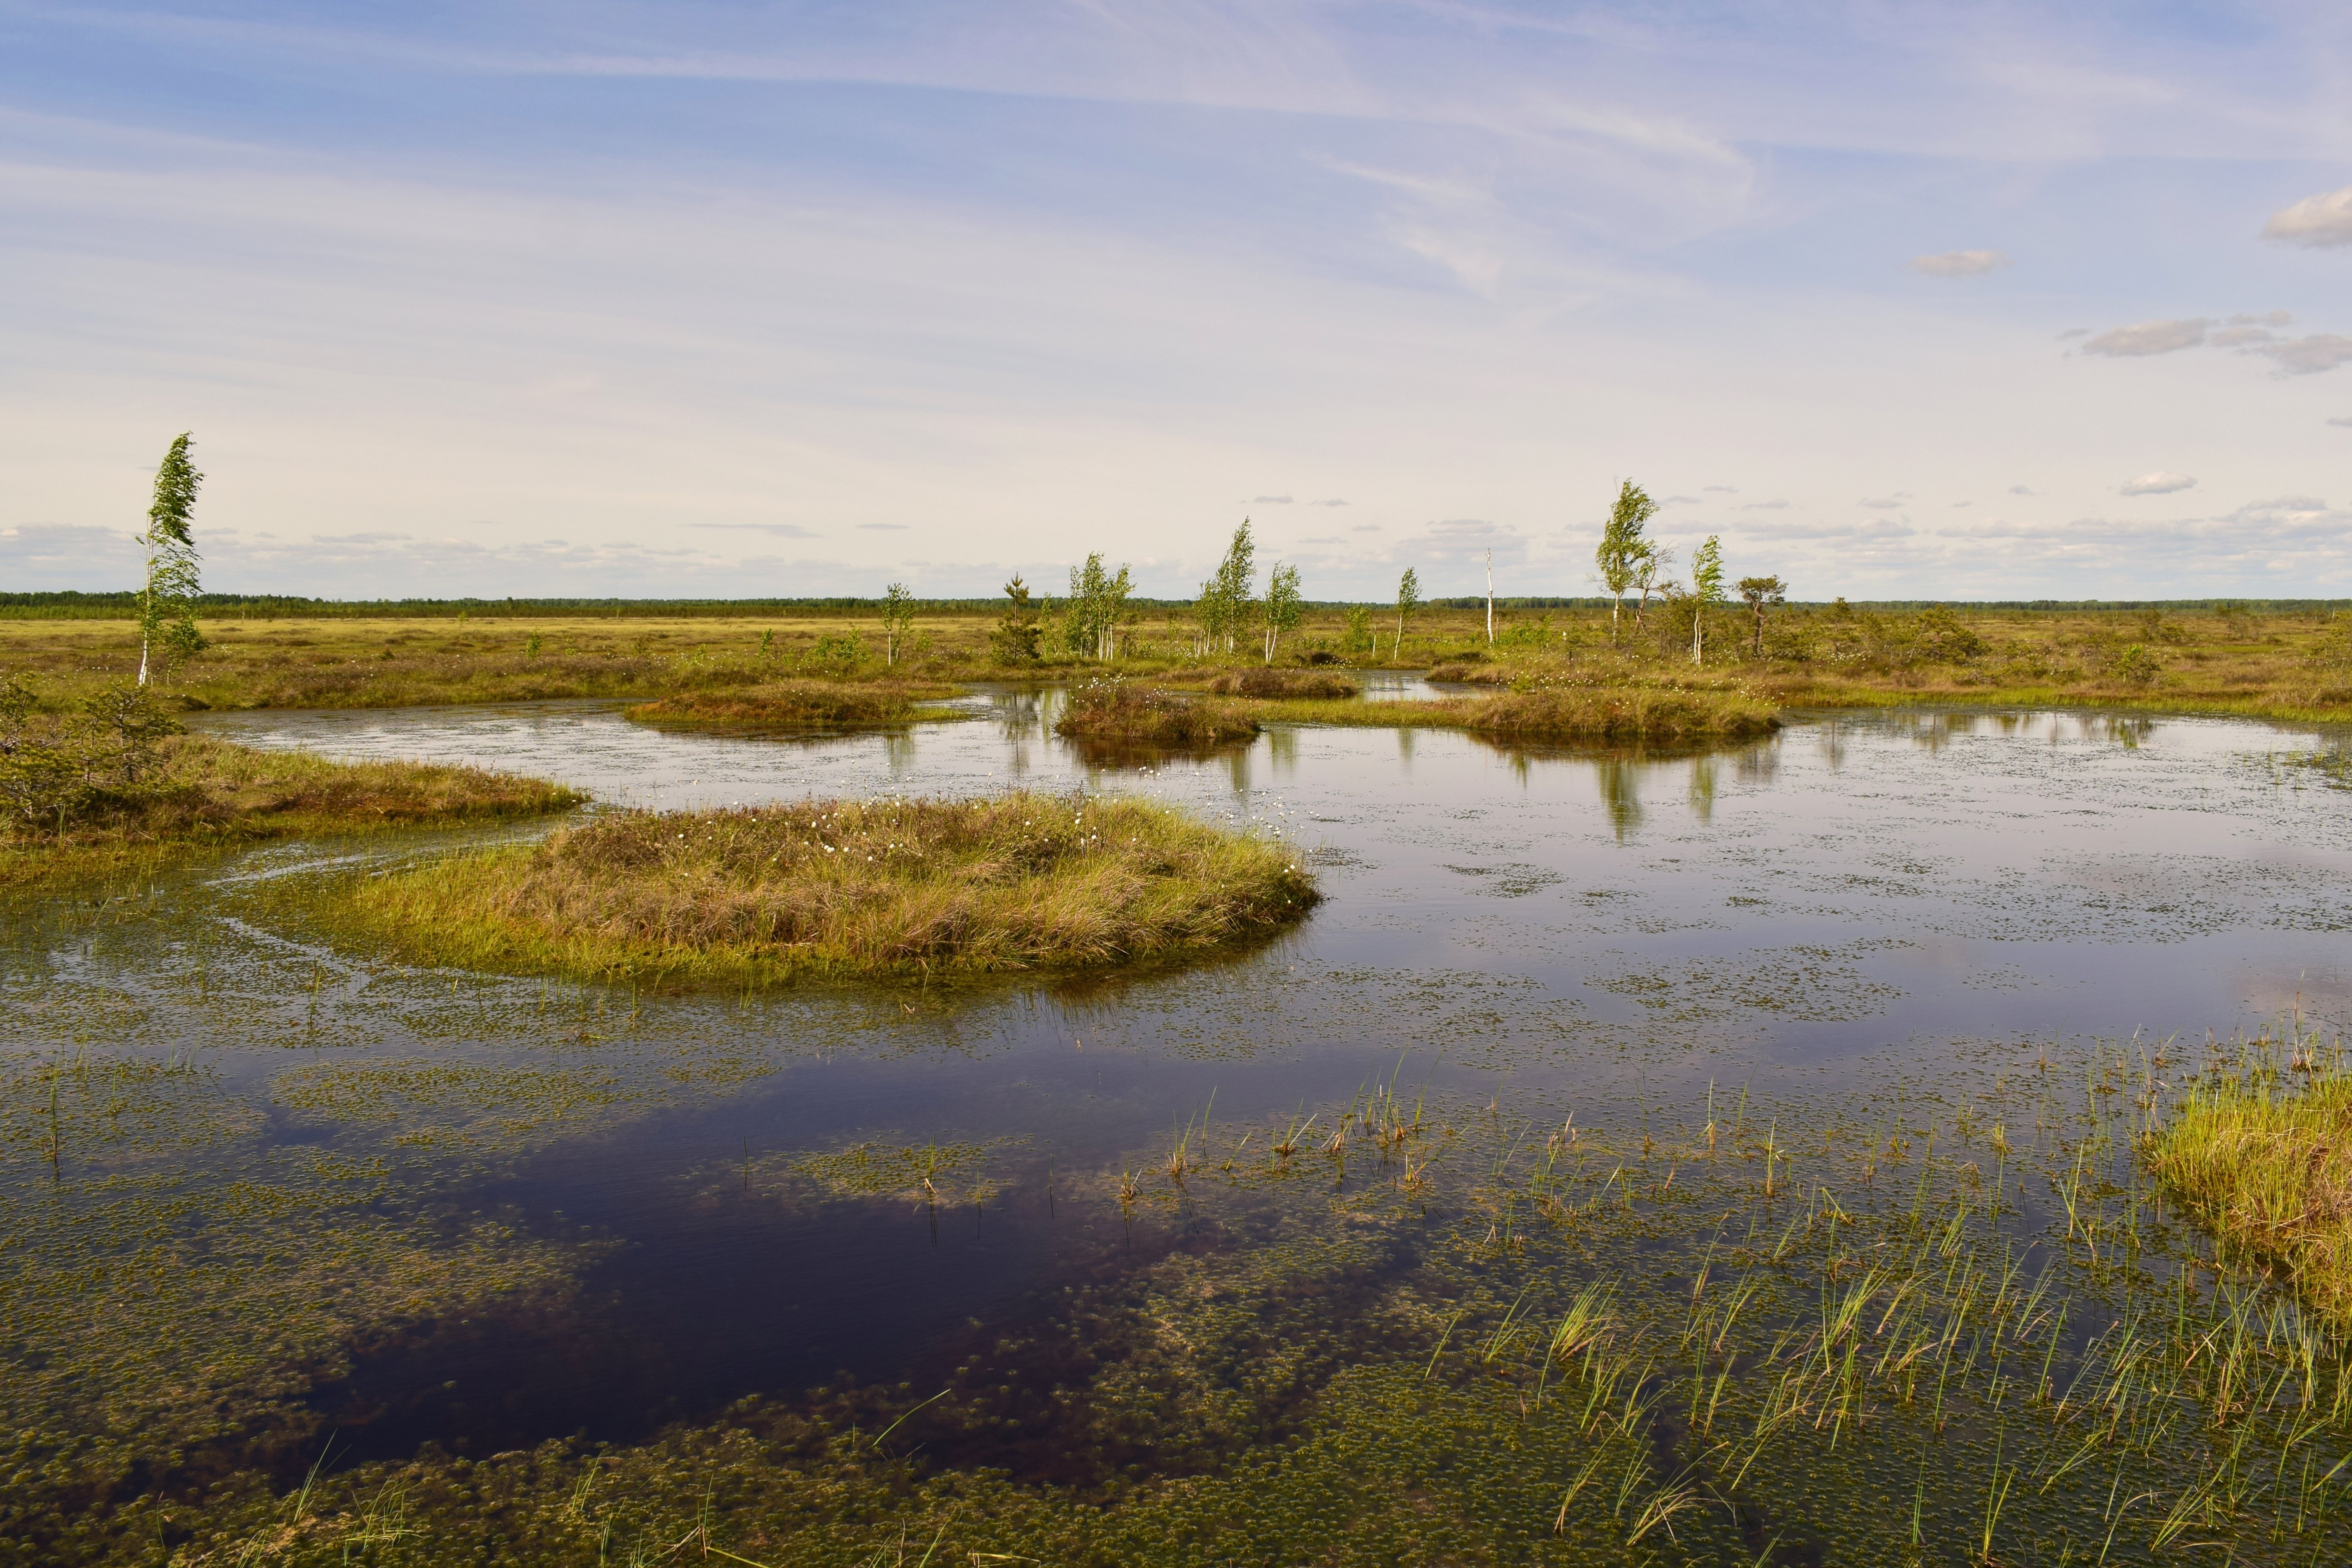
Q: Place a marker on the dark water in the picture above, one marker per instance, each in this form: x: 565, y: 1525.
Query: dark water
x: 1851, y: 903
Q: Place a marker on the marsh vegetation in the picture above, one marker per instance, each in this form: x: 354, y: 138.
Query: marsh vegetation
x: 118, y: 786
x: 313, y: 1253
x: 906, y: 889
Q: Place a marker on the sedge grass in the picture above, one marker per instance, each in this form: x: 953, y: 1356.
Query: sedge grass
x: 208, y: 794
x: 2268, y: 1172
x: 890, y: 888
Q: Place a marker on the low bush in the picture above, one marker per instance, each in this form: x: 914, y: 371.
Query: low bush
x: 1115, y: 712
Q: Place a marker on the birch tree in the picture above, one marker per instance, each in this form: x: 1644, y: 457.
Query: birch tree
x: 898, y: 619
x: 167, y: 604
x: 1706, y: 588
x: 1408, y: 601
x: 1283, y: 603
x: 1225, y: 598
x: 1624, y: 545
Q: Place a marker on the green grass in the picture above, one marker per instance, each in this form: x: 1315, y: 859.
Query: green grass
x: 840, y: 888
x: 208, y: 793
x: 792, y: 707
x: 2266, y: 1168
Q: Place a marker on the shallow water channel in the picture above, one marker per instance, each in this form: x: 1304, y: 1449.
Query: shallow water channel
x: 1864, y: 908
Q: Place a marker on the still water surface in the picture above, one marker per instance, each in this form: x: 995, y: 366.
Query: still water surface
x: 1857, y: 902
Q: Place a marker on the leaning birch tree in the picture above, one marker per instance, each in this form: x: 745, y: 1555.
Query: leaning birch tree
x: 1706, y: 588
x: 1283, y: 603
x: 1623, y: 545
x: 167, y: 604
x: 1408, y: 601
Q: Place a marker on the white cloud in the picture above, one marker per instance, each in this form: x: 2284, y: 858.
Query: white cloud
x: 2265, y: 319
x: 1765, y: 505
x: 2308, y: 355
x: 1724, y: 489
x: 2158, y: 484
x: 883, y: 527
x: 2149, y: 338
x: 2019, y: 490
x: 2242, y: 337
x: 2343, y: 419
x: 1959, y: 263
x: 1882, y: 503
x: 2318, y: 221
x: 1270, y: 501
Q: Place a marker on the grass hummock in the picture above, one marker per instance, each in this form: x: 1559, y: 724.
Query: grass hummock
x: 1116, y: 713
x: 1267, y: 681
x: 203, y: 793
x: 792, y: 707
x: 846, y: 888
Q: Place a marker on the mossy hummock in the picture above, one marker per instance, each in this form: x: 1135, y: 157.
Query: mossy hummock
x: 792, y: 707
x: 888, y: 888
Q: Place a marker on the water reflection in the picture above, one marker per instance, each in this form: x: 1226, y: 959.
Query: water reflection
x: 1620, y: 781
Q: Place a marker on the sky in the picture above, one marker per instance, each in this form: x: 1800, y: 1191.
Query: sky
x: 1916, y: 300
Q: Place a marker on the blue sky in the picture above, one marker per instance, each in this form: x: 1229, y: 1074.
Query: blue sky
x: 1900, y: 300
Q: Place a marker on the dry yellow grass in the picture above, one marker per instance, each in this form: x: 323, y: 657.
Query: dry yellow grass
x: 927, y: 888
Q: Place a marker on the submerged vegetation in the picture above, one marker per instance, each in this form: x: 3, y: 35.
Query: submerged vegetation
x: 794, y: 707
x: 1959, y: 1329
x: 842, y: 889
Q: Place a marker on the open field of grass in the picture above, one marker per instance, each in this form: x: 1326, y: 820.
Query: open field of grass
x: 910, y: 889
x: 2282, y: 665
x: 205, y: 793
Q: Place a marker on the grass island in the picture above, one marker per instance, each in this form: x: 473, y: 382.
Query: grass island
x: 847, y: 889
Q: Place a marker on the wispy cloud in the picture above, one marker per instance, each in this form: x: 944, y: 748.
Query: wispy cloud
x: 2156, y: 484
x: 1959, y: 263
x: 2149, y: 338
x: 2307, y: 355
